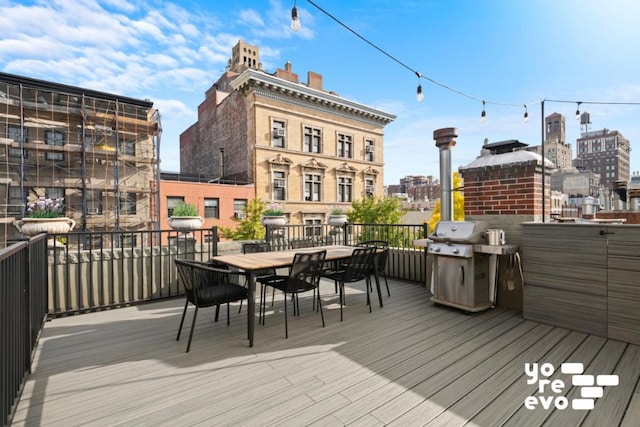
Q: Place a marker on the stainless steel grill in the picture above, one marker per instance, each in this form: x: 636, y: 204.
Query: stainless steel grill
x: 460, y: 276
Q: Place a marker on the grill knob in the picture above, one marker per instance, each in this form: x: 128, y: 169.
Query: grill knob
x: 436, y: 249
x: 456, y: 251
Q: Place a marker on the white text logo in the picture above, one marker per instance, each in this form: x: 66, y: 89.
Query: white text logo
x: 551, y: 391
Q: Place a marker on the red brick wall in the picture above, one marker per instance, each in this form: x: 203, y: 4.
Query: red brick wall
x: 507, y: 189
x: 632, y: 217
x: 196, y: 193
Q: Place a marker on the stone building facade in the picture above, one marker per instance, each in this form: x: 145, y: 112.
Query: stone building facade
x: 300, y: 145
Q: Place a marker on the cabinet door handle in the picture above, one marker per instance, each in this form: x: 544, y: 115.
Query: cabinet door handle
x: 605, y: 232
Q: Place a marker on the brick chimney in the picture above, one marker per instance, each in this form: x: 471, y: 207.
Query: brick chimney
x: 506, y: 180
x: 503, y: 186
x: 287, y: 73
x: 314, y: 80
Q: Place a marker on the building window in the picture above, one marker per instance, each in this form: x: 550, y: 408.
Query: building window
x: 54, y: 156
x: 312, y: 187
x: 345, y: 189
x: 16, y: 201
x: 53, y: 137
x: 312, y: 227
x: 15, y: 152
x: 211, y: 208
x: 312, y: 140
x: 279, y: 185
x: 172, y: 202
x: 13, y: 132
x: 128, y: 148
x: 345, y: 146
x: 128, y: 204
x: 369, y: 187
x: 369, y: 150
x: 94, y: 202
x: 239, y: 206
x: 278, y: 133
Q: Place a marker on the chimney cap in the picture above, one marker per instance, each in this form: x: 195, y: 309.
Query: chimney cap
x: 506, y: 146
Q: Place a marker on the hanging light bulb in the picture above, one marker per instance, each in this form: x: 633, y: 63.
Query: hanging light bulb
x: 526, y: 114
x: 578, y: 111
x: 295, y: 20
x: 483, y: 116
x: 419, y: 95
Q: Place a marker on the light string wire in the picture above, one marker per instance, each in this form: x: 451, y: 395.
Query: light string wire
x: 451, y: 89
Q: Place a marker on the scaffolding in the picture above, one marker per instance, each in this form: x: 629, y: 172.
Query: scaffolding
x: 98, y: 151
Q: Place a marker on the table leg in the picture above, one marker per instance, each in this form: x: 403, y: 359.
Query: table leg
x: 251, y: 307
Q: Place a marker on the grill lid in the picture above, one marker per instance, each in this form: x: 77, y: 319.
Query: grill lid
x: 460, y: 231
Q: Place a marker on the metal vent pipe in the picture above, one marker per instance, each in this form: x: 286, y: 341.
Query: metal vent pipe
x: 445, y: 141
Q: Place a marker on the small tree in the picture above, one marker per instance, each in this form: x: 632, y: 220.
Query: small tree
x: 250, y: 227
x: 458, y: 204
x: 376, y: 210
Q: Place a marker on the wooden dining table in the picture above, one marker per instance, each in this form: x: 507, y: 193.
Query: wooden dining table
x: 253, y: 263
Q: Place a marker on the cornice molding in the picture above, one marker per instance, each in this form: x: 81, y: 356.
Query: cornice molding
x: 295, y: 93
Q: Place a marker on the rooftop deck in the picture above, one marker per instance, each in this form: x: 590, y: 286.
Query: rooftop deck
x: 409, y: 363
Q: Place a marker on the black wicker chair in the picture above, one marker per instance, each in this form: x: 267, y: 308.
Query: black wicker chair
x: 358, y: 267
x: 380, y: 258
x: 304, y: 275
x: 208, y: 285
x: 262, y: 276
x: 302, y: 243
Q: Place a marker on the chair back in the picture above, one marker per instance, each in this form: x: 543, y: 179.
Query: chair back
x: 198, y: 278
x: 302, y: 243
x: 252, y: 248
x: 382, y: 254
x: 305, y: 270
x: 376, y: 243
x: 359, y: 264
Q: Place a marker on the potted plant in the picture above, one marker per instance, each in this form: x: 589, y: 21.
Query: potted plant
x: 273, y: 215
x: 337, y: 217
x: 185, y: 217
x: 44, y: 216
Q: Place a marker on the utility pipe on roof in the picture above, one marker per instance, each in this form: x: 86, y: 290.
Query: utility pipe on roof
x: 445, y: 141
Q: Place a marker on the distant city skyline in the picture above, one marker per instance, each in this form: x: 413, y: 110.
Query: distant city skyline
x: 506, y: 53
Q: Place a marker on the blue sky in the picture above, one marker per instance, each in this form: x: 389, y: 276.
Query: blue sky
x: 509, y: 53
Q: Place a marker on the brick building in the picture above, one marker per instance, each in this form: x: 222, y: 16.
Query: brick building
x: 97, y: 150
x: 218, y: 203
x: 555, y: 144
x: 605, y: 152
x: 300, y: 144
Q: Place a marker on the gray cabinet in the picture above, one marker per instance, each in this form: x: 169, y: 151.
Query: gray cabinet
x: 583, y: 277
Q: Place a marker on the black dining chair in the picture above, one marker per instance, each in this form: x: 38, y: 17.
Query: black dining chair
x: 302, y: 243
x: 356, y: 268
x: 208, y: 285
x: 380, y: 258
x: 263, y: 275
x: 304, y: 275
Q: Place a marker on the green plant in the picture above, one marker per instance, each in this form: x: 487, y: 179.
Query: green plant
x: 250, y: 227
x: 274, y: 209
x: 185, y: 209
x: 45, y: 207
x: 337, y: 210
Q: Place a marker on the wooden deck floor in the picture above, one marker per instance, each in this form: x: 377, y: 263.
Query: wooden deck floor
x: 409, y: 363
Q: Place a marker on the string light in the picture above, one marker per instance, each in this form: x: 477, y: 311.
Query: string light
x: 295, y: 20
x: 526, y: 114
x: 420, y: 96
